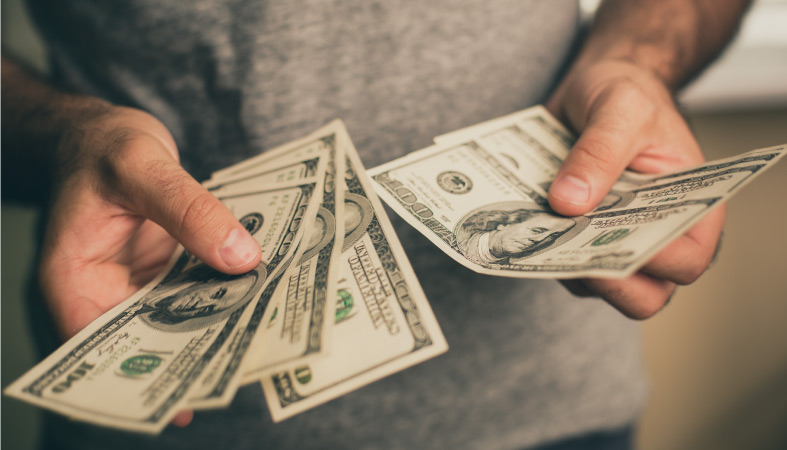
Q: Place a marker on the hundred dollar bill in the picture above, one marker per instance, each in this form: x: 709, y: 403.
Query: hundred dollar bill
x: 217, y: 386
x: 297, y: 160
x: 383, y: 320
x: 133, y: 367
x: 300, y: 322
x: 283, y: 173
x: 302, y: 149
x: 480, y: 196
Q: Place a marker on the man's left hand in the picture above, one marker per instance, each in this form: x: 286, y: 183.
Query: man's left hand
x: 628, y: 120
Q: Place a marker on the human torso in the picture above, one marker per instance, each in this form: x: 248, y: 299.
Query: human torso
x: 527, y: 363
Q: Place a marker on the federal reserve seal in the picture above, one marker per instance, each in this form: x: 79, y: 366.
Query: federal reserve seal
x: 140, y: 365
x: 454, y: 182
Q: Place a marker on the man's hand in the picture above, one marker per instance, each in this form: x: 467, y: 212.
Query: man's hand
x: 121, y: 201
x: 627, y: 119
x: 618, y: 95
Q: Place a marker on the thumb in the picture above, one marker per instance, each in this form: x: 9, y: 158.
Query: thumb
x: 161, y: 190
x: 599, y: 156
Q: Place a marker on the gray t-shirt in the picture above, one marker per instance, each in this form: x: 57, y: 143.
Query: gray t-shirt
x: 528, y: 363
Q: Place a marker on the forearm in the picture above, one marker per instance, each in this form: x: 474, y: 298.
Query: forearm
x: 35, y: 117
x: 673, y: 39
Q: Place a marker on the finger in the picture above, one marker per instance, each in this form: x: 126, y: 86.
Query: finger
x: 638, y: 297
x: 686, y: 258
x: 604, y: 149
x: 183, y: 418
x: 157, y: 187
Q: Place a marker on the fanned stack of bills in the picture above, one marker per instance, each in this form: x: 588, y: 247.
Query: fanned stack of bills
x: 335, y: 306
x: 479, y: 194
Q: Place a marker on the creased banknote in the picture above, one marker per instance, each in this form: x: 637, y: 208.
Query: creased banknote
x: 185, y: 340
x: 133, y: 367
x: 383, y: 320
x: 480, y: 196
x: 299, y: 323
x: 217, y: 386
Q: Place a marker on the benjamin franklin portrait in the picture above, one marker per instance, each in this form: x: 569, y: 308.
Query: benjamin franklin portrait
x: 501, y: 233
x: 200, y: 296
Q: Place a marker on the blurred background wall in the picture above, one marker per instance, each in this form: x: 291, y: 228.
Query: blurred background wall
x: 716, y: 356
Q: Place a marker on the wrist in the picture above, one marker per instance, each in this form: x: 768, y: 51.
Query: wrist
x: 658, y: 36
x: 671, y: 39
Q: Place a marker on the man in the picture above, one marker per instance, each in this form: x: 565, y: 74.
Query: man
x: 224, y: 80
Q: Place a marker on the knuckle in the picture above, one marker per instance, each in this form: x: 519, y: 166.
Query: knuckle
x: 123, y: 159
x: 118, y: 148
x: 628, y: 91
x: 199, y: 213
x: 593, y: 154
x: 169, y: 183
x: 686, y: 270
x: 167, y: 179
x: 634, y: 92
x: 111, y: 144
x: 627, y: 105
x: 124, y: 146
x: 113, y: 164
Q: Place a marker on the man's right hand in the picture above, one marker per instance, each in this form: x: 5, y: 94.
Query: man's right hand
x: 121, y: 200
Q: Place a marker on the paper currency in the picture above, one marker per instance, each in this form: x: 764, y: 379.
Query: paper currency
x: 181, y: 341
x: 186, y: 339
x: 303, y: 149
x: 299, y: 323
x: 480, y: 196
x: 133, y: 367
x: 218, y: 384
x: 337, y: 305
x: 383, y: 320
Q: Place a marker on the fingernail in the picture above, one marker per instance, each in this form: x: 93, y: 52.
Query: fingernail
x: 570, y: 189
x: 239, y: 248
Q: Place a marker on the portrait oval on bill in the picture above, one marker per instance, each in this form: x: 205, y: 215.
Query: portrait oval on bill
x: 198, y: 297
x: 321, y: 234
x: 358, y: 214
x: 512, y: 232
